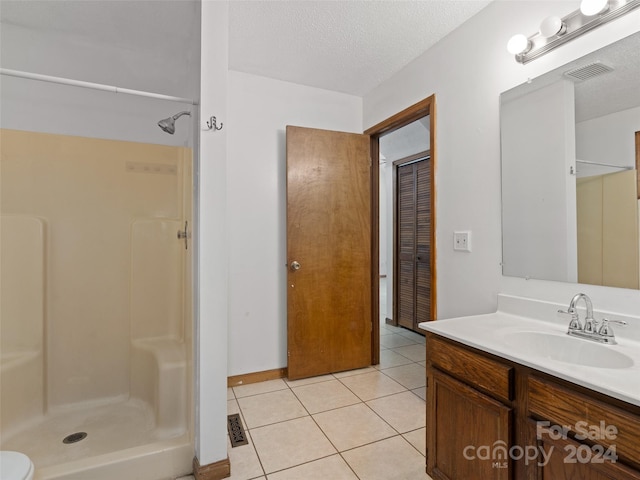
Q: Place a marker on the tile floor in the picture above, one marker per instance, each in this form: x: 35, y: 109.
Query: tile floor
x: 366, y: 424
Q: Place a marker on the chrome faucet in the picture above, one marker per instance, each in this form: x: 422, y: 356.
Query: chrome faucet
x: 597, y: 331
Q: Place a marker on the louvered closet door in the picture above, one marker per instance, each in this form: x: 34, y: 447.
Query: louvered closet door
x: 413, y: 244
x: 406, y: 245
x: 423, y: 242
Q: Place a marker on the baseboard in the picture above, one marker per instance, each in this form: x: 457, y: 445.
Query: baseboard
x: 212, y: 471
x: 390, y: 321
x: 256, y: 377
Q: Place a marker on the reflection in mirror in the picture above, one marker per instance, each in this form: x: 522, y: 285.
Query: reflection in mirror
x: 569, y: 175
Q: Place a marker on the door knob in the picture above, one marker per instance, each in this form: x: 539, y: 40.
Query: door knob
x: 295, y: 266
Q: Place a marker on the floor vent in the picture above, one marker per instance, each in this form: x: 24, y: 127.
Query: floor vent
x: 236, y: 432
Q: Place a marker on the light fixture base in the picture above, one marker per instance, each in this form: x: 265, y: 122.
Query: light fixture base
x: 575, y: 24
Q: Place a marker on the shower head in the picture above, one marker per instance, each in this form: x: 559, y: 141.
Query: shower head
x: 169, y: 124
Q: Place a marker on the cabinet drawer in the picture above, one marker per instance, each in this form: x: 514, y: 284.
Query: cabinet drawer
x: 567, y: 459
x: 574, y: 411
x: 479, y: 371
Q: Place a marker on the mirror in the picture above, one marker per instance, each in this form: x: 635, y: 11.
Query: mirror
x: 569, y: 171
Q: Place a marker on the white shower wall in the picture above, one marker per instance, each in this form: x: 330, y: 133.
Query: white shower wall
x: 111, y: 211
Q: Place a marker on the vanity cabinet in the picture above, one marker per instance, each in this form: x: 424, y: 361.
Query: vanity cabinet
x: 490, y: 418
x: 469, y: 400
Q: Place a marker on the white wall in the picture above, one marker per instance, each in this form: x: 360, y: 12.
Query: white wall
x: 384, y: 225
x: 609, y: 139
x: 539, y: 194
x: 259, y: 110
x: 213, y: 270
x: 467, y: 71
x: 389, y: 178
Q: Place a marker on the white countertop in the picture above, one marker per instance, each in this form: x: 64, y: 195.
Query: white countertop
x: 491, y: 333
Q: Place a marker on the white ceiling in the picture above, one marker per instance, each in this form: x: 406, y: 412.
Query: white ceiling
x: 403, y: 142
x: 348, y: 46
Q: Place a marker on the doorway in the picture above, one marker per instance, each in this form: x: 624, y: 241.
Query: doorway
x: 415, y: 122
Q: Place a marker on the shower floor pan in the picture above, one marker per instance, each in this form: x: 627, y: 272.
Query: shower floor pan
x: 115, y: 433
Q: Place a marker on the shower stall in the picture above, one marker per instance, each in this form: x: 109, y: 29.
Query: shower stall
x: 96, y: 285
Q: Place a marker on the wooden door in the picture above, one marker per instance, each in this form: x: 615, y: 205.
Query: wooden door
x: 413, y: 261
x: 329, y: 234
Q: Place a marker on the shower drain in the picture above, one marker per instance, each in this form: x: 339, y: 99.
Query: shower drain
x: 75, y: 437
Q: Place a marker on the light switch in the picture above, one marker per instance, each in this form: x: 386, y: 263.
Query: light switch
x: 462, y: 241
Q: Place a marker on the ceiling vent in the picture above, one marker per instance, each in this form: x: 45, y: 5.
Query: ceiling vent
x: 588, y: 71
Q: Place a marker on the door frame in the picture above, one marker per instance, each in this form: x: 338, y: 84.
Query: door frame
x: 408, y: 115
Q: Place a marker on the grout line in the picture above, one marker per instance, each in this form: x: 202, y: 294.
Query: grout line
x: 262, y: 393
x: 360, y: 400
x: 279, y: 421
x: 414, y: 447
x: 255, y: 450
x: 345, y: 406
x: 311, y: 461
x: 253, y: 444
x: 323, y: 433
x: 374, y: 442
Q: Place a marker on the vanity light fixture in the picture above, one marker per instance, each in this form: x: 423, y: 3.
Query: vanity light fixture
x: 555, y: 31
x: 593, y: 7
x: 551, y: 26
x: 518, y: 44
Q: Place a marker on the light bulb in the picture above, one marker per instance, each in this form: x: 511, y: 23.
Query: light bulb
x: 593, y: 7
x: 551, y: 26
x: 518, y: 44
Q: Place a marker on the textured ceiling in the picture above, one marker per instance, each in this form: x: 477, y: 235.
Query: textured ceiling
x: 614, y: 91
x: 348, y: 46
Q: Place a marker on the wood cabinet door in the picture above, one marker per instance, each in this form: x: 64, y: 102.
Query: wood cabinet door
x: 468, y: 433
x: 329, y: 320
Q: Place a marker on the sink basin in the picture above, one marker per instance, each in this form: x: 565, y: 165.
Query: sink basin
x: 566, y: 349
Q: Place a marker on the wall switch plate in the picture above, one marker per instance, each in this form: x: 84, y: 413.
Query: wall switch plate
x: 462, y: 241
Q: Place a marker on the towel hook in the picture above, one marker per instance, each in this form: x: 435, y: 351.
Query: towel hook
x: 212, y: 124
